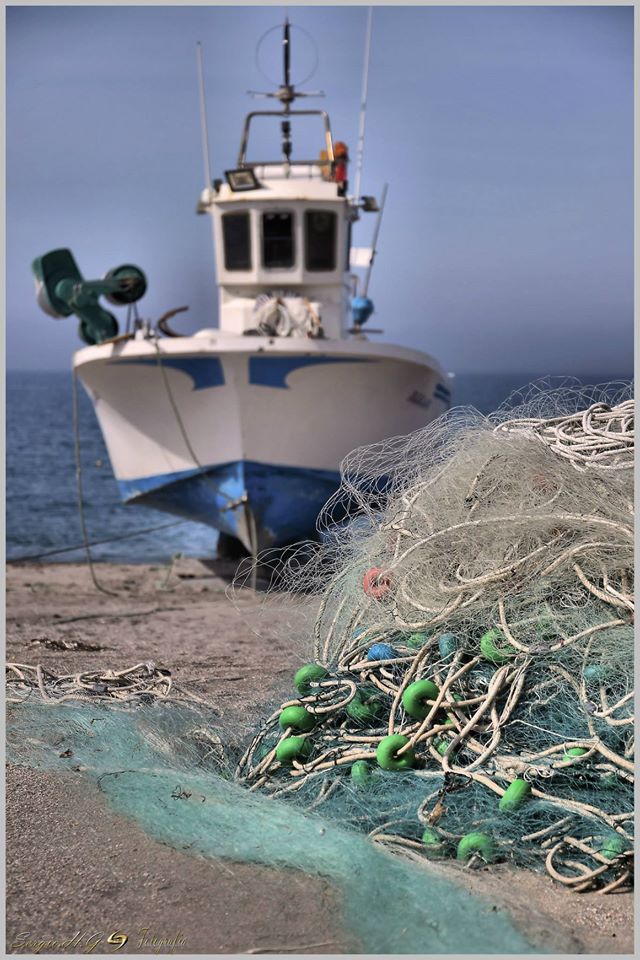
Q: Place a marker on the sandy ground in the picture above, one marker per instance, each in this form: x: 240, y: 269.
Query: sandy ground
x: 74, y: 867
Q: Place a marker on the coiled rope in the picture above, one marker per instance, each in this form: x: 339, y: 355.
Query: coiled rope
x: 286, y: 316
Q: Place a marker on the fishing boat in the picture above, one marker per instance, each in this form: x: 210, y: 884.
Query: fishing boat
x: 242, y: 426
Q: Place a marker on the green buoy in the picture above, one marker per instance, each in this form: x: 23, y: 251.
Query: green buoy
x: 416, y: 640
x: 490, y: 651
x: 298, y: 718
x: 415, y: 698
x: 387, y: 751
x: 612, y: 846
x: 480, y: 843
x: 514, y: 796
x: 304, y: 676
x: 434, y: 846
x: 361, y: 774
x: 294, y: 748
x: 366, y: 707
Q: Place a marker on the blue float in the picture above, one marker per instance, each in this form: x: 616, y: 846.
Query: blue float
x: 382, y: 651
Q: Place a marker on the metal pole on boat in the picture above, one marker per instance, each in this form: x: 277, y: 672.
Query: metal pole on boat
x: 286, y: 43
x: 203, y: 119
x: 363, y: 104
x: 374, y: 242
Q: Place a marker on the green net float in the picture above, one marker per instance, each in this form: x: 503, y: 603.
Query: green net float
x: 293, y: 748
x: 360, y: 773
x: 517, y: 793
x: 575, y: 752
x: 447, y: 645
x: 490, y: 651
x: 441, y: 745
x: 415, y: 697
x: 298, y: 718
x: 366, y: 706
x: 612, y: 846
x: 480, y: 843
x: 434, y: 846
x: 416, y: 640
x: 386, y: 754
x: 304, y: 676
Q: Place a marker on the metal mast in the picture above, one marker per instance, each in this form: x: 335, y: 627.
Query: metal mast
x: 287, y: 94
x: 206, y: 159
x: 374, y: 242
x: 363, y: 104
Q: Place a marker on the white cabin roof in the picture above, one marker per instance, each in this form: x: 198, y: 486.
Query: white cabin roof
x: 277, y: 188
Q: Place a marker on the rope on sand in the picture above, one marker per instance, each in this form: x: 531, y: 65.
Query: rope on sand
x: 141, y: 683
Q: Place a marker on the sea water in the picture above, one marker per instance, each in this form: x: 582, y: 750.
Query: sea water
x: 41, y: 498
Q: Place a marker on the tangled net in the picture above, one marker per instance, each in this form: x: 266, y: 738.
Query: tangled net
x: 472, y: 690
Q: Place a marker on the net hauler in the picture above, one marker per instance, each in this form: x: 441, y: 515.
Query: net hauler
x: 243, y: 426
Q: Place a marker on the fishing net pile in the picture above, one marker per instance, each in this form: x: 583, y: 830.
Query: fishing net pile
x: 469, y: 618
x: 470, y: 697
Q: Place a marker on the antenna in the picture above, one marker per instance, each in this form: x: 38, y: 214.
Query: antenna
x: 203, y: 119
x: 374, y: 241
x: 286, y: 50
x: 363, y: 103
x: 286, y: 92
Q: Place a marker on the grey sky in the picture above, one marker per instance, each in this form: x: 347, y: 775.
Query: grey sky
x: 506, y: 134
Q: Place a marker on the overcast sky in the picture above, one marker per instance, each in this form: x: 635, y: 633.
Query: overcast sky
x: 505, y: 133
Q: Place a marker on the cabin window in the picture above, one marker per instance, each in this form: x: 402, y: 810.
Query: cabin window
x: 320, y: 236
x: 237, y: 241
x: 278, y: 247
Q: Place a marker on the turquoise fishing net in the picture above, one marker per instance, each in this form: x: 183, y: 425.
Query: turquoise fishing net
x: 472, y: 595
x: 153, y: 764
x: 473, y: 631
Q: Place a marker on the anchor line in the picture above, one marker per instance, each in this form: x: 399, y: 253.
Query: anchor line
x: 232, y: 503
x: 80, y: 493
x: 97, y: 543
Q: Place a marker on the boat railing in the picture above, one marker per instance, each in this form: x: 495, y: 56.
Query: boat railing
x: 284, y: 116
x: 311, y: 170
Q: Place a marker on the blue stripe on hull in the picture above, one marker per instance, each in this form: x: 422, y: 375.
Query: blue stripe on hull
x: 285, y: 501
x: 204, y: 371
x: 273, y: 371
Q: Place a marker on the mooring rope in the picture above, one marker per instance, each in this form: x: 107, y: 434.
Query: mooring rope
x: 96, y: 543
x: 202, y: 470
x: 80, y: 494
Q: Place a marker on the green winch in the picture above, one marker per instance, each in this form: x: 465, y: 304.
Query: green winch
x: 61, y: 291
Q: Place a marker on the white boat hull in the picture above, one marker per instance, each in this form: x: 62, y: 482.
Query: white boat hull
x: 247, y: 433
